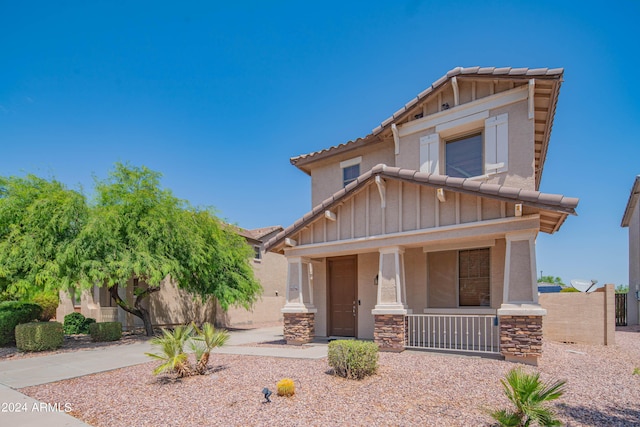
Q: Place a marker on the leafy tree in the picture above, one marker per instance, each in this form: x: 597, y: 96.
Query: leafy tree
x: 622, y: 289
x: 529, y: 396
x: 39, y: 219
x: 138, y: 230
x: 551, y: 279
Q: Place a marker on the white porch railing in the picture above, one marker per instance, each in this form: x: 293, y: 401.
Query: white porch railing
x: 468, y: 333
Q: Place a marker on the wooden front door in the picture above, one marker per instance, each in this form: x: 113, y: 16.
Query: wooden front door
x: 343, y: 296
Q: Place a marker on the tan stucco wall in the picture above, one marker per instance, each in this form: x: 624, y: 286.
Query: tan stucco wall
x: 271, y: 272
x: 498, y: 253
x: 326, y: 177
x: 520, y: 277
x: 521, y: 147
x: 633, y: 305
x: 367, y: 293
x: 521, y: 173
x: 442, y: 287
x: 173, y: 306
x: 320, y: 296
x: 415, y: 266
x: 585, y: 318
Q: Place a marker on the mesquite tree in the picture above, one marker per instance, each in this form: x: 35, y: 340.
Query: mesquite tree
x: 138, y: 230
x: 39, y: 219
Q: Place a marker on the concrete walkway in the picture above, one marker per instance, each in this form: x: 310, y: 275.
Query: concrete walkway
x: 16, y: 409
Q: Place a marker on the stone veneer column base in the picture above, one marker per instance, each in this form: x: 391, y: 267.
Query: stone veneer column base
x: 389, y: 332
x: 521, y: 338
x: 299, y: 328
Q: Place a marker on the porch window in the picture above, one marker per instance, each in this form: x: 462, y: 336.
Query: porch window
x: 474, y: 278
x: 464, y: 156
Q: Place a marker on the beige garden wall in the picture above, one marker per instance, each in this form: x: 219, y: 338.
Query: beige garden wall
x: 584, y: 318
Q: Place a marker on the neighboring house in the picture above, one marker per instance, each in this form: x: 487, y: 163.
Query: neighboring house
x: 422, y: 234
x: 172, y: 306
x: 631, y: 219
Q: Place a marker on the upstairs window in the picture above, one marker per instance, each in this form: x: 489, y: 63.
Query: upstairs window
x: 350, y: 170
x: 349, y: 174
x: 257, y: 253
x: 482, y: 150
x: 464, y: 157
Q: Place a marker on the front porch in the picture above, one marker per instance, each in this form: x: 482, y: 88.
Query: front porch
x: 414, y: 260
x: 476, y: 296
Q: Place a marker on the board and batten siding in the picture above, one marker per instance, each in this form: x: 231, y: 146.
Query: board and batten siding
x: 409, y: 207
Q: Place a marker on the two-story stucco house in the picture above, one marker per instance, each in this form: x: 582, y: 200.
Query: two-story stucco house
x: 631, y: 219
x: 422, y: 233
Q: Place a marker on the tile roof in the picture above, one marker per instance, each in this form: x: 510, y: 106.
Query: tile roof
x: 257, y: 233
x: 479, y: 72
x: 557, y: 205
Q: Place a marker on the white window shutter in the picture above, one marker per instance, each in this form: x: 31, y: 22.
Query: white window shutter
x: 430, y: 154
x: 496, y: 144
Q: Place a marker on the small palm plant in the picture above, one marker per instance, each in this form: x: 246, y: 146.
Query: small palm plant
x: 529, y: 396
x: 206, y: 340
x: 171, y: 345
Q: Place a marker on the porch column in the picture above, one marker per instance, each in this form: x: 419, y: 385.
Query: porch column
x: 520, y: 314
x: 299, y: 311
x: 390, y: 310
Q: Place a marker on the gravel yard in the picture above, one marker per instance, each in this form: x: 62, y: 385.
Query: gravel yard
x: 411, y: 388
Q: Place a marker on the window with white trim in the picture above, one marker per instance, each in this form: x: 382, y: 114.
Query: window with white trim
x: 257, y: 253
x: 350, y: 170
x: 474, y: 278
x: 466, y: 148
x: 463, y: 156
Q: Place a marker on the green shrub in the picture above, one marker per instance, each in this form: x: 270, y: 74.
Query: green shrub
x: 76, y: 323
x: 13, y: 313
x: 530, y: 398
x: 105, y: 331
x: 39, y: 336
x: 353, y: 359
x: 49, y: 302
x: 569, y: 289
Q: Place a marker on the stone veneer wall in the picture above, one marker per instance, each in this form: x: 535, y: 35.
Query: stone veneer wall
x: 389, y: 332
x: 521, y: 338
x: 299, y: 328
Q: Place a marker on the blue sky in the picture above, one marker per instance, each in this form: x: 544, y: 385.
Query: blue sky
x: 218, y: 96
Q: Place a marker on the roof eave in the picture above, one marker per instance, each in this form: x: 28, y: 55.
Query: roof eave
x: 631, y: 203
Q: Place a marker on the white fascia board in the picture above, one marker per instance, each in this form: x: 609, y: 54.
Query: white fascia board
x: 487, y: 103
